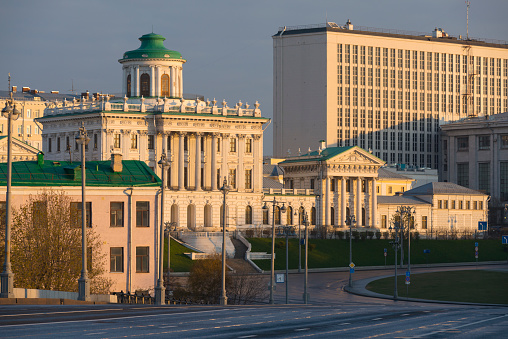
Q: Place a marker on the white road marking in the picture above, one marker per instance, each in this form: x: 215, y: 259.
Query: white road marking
x: 248, y: 336
x: 302, y: 329
x: 456, y: 327
x: 377, y: 319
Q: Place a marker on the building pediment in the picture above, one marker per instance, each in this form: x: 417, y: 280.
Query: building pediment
x: 20, y: 150
x: 355, y: 156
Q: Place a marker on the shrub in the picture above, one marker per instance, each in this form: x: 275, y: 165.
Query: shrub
x: 378, y: 235
x: 340, y: 234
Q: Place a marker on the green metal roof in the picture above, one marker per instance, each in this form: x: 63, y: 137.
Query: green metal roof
x: 64, y: 173
x: 326, y: 154
x: 152, y: 46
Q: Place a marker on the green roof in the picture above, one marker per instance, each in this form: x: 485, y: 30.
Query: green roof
x: 64, y: 173
x: 152, y: 46
x: 326, y: 154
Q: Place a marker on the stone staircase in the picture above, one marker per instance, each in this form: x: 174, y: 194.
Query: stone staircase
x: 238, y: 263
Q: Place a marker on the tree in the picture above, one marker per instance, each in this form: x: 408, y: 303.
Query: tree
x: 46, y: 246
x: 205, y: 283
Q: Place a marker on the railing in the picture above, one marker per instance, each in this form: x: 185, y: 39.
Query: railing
x: 288, y: 191
x: 394, y: 31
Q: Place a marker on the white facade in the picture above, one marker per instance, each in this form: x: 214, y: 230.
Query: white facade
x: 383, y: 91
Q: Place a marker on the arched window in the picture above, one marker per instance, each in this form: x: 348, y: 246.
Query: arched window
x: 289, y: 216
x: 191, y: 217
x: 145, y: 85
x: 208, y: 216
x: 277, y: 215
x: 348, y: 212
x: 248, y: 215
x: 363, y: 217
x: 129, y: 85
x: 174, y: 213
x: 301, y: 215
x: 265, y: 217
x: 165, y: 85
x: 313, y: 216
x: 332, y: 216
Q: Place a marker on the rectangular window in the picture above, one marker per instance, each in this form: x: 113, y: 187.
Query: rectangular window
x: 134, y: 141
x: 463, y: 174
x: 58, y: 144
x: 151, y: 141
x: 484, y: 142
x: 95, y: 141
x: 311, y: 184
x: 248, y: 179
x: 116, y: 140
x: 440, y: 204
x: 503, y: 174
x: 383, y: 221
x: 142, y: 213
x: 248, y: 145
x: 424, y: 222
x: 76, y: 213
x: 49, y: 145
x: 484, y: 177
x: 232, y: 178
x: 232, y: 145
x: 462, y: 144
x: 116, y: 259
x: 116, y: 214
x: 142, y: 260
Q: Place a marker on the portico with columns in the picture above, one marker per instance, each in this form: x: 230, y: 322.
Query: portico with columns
x: 343, y: 180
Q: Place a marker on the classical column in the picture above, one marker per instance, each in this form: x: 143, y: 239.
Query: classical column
x: 152, y: 81
x: 374, y: 203
x: 181, y: 161
x: 157, y: 89
x: 125, y: 143
x: 136, y: 80
x: 214, y: 161
x: 197, y: 176
x: 172, y: 82
x: 257, y: 175
x: 343, y: 202
x: 241, y: 167
x: 327, y: 201
x: 124, y: 80
x: 225, y: 150
x: 359, y: 221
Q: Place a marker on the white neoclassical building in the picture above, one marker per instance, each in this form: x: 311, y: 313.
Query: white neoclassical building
x: 204, y: 142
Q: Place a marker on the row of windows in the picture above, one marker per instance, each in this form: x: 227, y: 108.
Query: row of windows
x: 29, y: 129
x: 483, y: 143
x: 410, y: 59
x: 459, y: 205
x: 116, y: 212
x: 393, y: 120
x: 424, y: 102
x: 116, y: 263
x: 60, y: 142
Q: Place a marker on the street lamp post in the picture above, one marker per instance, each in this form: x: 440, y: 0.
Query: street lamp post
x: 169, y: 226
x: 272, y: 277
x: 395, y: 244
x: 7, y: 277
x: 287, y: 231
x: 225, y: 189
x: 160, y: 295
x: 305, y: 281
x: 83, y: 281
x: 350, y: 220
x: 406, y: 213
x: 297, y: 215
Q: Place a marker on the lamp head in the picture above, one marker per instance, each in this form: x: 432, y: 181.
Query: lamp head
x: 283, y: 208
x: 265, y: 207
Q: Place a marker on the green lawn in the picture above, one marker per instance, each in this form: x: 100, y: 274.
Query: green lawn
x: 179, y: 261
x: 476, y: 286
x: 335, y: 253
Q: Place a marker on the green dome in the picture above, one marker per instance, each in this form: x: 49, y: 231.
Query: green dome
x: 152, y: 46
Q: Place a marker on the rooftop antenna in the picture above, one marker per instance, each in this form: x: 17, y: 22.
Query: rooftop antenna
x: 467, y: 19
x: 152, y: 28
x: 9, y: 82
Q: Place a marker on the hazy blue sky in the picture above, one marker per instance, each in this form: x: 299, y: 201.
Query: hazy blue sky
x: 227, y: 44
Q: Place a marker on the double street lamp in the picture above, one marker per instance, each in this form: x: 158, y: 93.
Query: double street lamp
x: 406, y: 214
x: 272, y: 278
x: 287, y: 231
x: 83, y: 282
x: 350, y: 220
x: 395, y: 244
x: 225, y: 190
x: 160, y: 295
x: 7, y: 277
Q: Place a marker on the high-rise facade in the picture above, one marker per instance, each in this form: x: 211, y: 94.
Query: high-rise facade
x: 385, y: 91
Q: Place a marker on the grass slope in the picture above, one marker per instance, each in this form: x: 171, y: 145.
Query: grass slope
x: 335, y: 253
x: 179, y: 261
x: 476, y: 286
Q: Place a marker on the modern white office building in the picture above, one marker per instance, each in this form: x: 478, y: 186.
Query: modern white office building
x: 382, y: 90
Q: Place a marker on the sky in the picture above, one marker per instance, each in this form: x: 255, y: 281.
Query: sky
x: 64, y: 44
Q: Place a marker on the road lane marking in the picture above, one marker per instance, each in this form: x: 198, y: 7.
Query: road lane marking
x: 456, y: 327
x: 302, y: 329
x: 377, y: 319
x: 248, y: 336
x: 112, y: 318
x: 169, y: 326
x: 95, y: 333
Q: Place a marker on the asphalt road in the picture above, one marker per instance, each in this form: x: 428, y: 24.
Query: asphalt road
x: 332, y: 313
